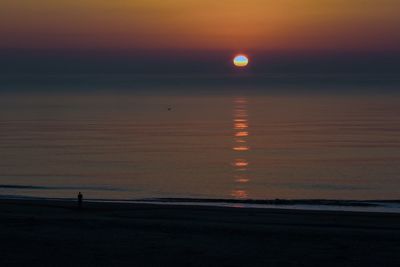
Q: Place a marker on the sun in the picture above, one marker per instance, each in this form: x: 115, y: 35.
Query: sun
x: 241, y: 60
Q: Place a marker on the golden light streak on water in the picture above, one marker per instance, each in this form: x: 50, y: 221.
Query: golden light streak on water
x: 240, y: 134
x: 240, y: 164
x: 238, y: 193
x: 241, y: 148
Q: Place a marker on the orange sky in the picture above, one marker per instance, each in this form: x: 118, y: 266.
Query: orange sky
x: 284, y: 25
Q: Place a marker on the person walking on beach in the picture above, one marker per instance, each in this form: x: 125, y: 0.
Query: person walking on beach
x: 80, y: 198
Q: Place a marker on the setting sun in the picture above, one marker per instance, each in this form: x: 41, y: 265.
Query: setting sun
x: 241, y: 61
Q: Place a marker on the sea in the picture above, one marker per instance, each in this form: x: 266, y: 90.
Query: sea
x: 201, y: 140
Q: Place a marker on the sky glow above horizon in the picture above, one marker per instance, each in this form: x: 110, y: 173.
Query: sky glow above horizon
x: 253, y: 25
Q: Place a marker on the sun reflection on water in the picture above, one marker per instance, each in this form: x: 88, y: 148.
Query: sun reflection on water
x: 238, y: 193
x: 240, y: 147
x: 239, y: 134
x: 241, y: 163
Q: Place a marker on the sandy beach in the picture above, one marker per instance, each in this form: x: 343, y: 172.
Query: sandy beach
x: 56, y: 233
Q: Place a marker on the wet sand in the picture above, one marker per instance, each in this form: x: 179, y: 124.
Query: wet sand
x: 56, y: 233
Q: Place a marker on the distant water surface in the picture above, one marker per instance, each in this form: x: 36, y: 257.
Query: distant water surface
x: 242, y: 146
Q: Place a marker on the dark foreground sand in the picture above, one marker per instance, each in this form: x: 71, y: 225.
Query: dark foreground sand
x: 50, y: 233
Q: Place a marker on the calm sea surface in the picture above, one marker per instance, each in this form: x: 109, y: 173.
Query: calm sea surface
x: 127, y: 146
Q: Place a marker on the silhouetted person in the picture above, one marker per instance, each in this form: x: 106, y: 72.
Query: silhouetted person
x: 80, y: 198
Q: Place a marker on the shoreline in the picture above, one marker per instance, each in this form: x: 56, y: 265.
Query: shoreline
x: 374, y: 206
